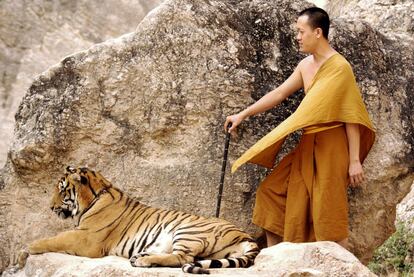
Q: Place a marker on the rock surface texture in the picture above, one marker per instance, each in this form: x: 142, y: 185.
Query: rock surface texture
x: 147, y: 109
x: 392, y: 17
x: 321, y: 259
x: 405, y: 210
x: 37, y: 34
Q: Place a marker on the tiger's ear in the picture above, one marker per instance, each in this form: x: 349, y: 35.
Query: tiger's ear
x: 76, y: 177
x: 70, y: 169
x: 79, y: 178
x: 83, y: 180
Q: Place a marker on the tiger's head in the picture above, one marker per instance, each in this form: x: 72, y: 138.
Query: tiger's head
x: 77, y: 190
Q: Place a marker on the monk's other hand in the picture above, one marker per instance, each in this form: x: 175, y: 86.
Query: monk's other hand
x: 235, y: 120
x: 356, y: 173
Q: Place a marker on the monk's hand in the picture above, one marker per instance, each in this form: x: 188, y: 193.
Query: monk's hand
x: 356, y: 173
x: 234, y: 120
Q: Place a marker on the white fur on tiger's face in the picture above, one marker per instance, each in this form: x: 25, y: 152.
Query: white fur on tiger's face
x: 64, y: 201
x: 111, y: 223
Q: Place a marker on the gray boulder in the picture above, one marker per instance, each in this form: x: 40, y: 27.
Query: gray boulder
x: 36, y: 34
x: 395, y: 20
x: 391, y: 17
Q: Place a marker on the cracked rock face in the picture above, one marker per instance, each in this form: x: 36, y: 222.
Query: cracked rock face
x: 389, y: 16
x: 405, y: 210
x: 37, y: 34
x: 147, y: 109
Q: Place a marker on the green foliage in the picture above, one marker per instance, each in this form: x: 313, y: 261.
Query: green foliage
x: 396, y: 254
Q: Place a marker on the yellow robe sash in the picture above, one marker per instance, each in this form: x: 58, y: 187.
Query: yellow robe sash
x: 333, y: 96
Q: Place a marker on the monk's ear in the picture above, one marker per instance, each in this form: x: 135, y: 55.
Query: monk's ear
x: 319, y: 33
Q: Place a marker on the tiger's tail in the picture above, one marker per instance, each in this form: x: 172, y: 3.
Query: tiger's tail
x: 202, y: 266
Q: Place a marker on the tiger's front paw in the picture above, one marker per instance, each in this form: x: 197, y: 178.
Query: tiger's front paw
x: 141, y: 260
x: 21, y: 260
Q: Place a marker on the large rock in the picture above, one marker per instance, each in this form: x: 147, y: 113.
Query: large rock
x: 392, y: 17
x: 405, y: 210
x: 395, y: 20
x: 320, y: 259
x: 147, y: 110
x: 36, y: 34
x: 308, y: 259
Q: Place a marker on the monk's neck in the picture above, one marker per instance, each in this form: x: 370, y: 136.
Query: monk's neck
x: 322, y: 53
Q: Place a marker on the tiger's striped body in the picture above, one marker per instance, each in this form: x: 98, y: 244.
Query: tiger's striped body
x: 111, y: 223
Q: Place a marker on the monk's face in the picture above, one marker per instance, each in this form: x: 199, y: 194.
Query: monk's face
x: 307, y: 36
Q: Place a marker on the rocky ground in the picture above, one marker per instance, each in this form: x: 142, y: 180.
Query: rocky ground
x: 322, y: 259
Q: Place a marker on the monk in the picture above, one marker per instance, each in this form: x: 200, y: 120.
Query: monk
x: 304, y: 198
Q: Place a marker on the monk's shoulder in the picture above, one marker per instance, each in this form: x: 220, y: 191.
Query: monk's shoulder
x: 343, y: 63
x: 304, y: 64
x: 305, y: 61
x: 344, y: 68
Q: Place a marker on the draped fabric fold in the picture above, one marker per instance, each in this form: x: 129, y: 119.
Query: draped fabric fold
x: 333, y: 96
x: 304, y: 198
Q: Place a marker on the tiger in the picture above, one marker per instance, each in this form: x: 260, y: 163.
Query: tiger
x: 111, y: 223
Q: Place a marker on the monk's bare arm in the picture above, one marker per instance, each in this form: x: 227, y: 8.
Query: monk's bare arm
x: 356, y: 173
x: 268, y: 101
x: 276, y: 96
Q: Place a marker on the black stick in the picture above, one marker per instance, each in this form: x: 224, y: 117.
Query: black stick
x: 223, y: 171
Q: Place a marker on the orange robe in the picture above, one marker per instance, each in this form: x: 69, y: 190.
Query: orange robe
x: 333, y: 96
x: 305, y: 196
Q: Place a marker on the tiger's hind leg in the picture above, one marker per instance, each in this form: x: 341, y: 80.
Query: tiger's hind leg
x: 151, y: 260
x: 183, y: 252
x: 239, y: 255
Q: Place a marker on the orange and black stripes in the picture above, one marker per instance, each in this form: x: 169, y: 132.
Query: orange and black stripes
x: 120, y: 225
